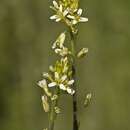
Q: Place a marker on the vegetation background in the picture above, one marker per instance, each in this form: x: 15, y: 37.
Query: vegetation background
x: 26, y: 36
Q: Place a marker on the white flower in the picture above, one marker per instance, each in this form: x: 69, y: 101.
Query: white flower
x: 60, y: 12
x: 62, y: 87
x: 63, y: 78
x: 59, y: 77
x: 52, y: 84
x: 58, y: 50
x: 51, y: 68
x: 60, y: 41
x: 43, y: 84
x: 62, y: 82
x: 70, y: 82
x: 59, y: 47
x: 55, y: 4
x: 77, y: 18
x: 47, y: 76
x: 70, y: 91
x: 62, y: 52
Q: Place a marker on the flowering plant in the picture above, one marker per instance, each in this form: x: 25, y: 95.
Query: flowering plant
x: 61, y: 77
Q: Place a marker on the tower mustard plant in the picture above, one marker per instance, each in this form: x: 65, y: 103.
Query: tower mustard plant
x: 61, y: 78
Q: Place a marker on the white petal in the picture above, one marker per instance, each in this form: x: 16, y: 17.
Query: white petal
x: 63, y: 78
x: 62, y: 87
x: 52, y: 84
x: 58, y: 19
x: 74, y: 22
x: 79, y: 12
x: 70, y: 82
x: 75, y: 10
x: 54, y: 17
x: 70, y: 16
x: 83, y: 19
x: 51, y: 68
x: 46, y: 75
x: 65, y: 12
x: 54, y: 45
x: 42, y: 83
x: 56, y: 75
x: 55, y: 4
x: 70, y: 91
x: 57, y: 50
x: 60, y: 8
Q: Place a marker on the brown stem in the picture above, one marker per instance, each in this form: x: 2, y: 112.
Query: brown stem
x: 75, y: 117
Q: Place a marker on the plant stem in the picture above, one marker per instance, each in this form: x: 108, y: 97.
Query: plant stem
x: 52, y: 114
x: 73, y: 49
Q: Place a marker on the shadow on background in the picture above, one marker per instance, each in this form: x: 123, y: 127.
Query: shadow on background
x: 26, y: 36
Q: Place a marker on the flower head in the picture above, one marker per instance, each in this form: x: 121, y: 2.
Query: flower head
x: 60, y: 77
x: 60, y: 13
x: 60, y: 41
x: 59, y: 47
x: 68, y: 12
x: 43, y: 84
x: 75, y: 18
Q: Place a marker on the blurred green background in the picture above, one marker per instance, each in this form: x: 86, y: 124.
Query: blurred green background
x: 26, y: 36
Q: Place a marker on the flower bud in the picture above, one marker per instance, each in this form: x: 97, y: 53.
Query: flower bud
x: 57, y: 110
x: 82, y: 52
x: 87, y: 99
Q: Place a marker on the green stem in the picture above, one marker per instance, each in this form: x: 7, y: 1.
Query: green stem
x: 52, y: 114
x: 73, y: 49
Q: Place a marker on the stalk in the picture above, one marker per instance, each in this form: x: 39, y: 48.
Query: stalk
x: 52, y: 114
x: 73, y: 49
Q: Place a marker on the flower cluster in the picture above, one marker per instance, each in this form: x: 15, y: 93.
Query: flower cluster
x: 68, y: 12
x: 59, y: 78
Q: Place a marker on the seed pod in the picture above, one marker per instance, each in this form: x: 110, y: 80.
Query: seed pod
x: 45, y: 103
